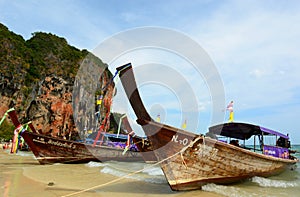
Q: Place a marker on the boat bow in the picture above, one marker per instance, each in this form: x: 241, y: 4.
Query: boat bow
x: 189, y: 160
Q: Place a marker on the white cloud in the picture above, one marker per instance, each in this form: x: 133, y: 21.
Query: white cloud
x: 258, y: 73
x: 256, y: 50
x: 129, y: 17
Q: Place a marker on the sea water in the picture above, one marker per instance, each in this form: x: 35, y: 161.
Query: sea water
x: 286, y: 184
x: 134, y: 170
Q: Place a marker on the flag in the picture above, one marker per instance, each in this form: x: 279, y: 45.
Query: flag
x: 99, y: 100
x: 230, y: 106
x: 184, y: 125
x: 158, y: 118
x: 230, y: 109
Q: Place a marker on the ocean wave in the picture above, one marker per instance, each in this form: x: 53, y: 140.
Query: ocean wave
x: 24, y: 153
x: 153, y: 171
x: 93, y: 164
x: 265, y: 182
x: 231, y: 191
x: 129, y: 167
x: 111, y: 171
x: 147, y: 175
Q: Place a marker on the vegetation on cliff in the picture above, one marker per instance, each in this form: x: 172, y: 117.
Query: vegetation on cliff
x: 6, y: 131
x: 43, y: 54
x: 26, y: 64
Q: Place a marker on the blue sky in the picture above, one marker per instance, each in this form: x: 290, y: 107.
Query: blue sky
x: 253, y: 44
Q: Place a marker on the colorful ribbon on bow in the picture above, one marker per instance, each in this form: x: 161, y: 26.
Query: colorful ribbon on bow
x: 17, y: 137
x: 16, y: 140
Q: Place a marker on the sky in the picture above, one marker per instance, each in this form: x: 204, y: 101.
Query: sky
x: 253, y: 45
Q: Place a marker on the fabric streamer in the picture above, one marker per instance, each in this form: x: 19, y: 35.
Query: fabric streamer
x: 5, y: 114
x: 128, y: 142
x: 15, y: 141
x: 230, y: 109
x: 184, y: 125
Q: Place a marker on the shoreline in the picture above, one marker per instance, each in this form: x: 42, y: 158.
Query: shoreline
x: 24, y: 176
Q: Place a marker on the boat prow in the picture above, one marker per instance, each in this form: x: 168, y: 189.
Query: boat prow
x: 189, y: 160
x: 48, y: 150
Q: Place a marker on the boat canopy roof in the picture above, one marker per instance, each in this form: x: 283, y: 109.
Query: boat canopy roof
x: 242, y: 130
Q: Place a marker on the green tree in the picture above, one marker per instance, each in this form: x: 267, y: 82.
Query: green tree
x: 6, y: 131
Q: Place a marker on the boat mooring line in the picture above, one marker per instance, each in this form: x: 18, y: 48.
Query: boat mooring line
x: 138, y: 171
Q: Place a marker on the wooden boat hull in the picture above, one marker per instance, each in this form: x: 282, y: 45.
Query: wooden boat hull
x: 188, y: 160
x: 193, y: 162
x: 52, y: 150
x: 146, y: 149
x: 49, y: 150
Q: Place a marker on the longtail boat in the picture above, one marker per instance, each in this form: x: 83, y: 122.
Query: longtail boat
x: 48, y: 150
x: 190, y: 161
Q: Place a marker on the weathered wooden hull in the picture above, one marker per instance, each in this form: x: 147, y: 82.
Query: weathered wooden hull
x: 53, y: 150
x: 49, y: 149
x: 193, y: 161
x: 146, y: 149
x: 188, y: 160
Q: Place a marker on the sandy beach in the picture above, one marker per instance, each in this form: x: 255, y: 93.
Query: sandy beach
x: 22, y: 175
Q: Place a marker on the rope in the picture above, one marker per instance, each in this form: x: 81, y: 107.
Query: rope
x: 138, y: 171
x: 183, y: 161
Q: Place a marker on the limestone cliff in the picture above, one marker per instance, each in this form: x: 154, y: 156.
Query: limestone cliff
x: 37, y: 78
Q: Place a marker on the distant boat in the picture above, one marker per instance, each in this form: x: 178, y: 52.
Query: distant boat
x: 190, y: 161
x: 48, y: 150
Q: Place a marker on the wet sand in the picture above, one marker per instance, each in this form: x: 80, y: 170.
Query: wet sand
x: 24, y: 176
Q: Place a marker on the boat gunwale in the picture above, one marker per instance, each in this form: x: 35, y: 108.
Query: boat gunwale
x: 268, y: 157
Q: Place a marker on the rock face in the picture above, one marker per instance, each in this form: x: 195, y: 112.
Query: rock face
x: 38, y: 76
x: 51, y: 111
x: 11, y: 94
x: 92, y: 96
